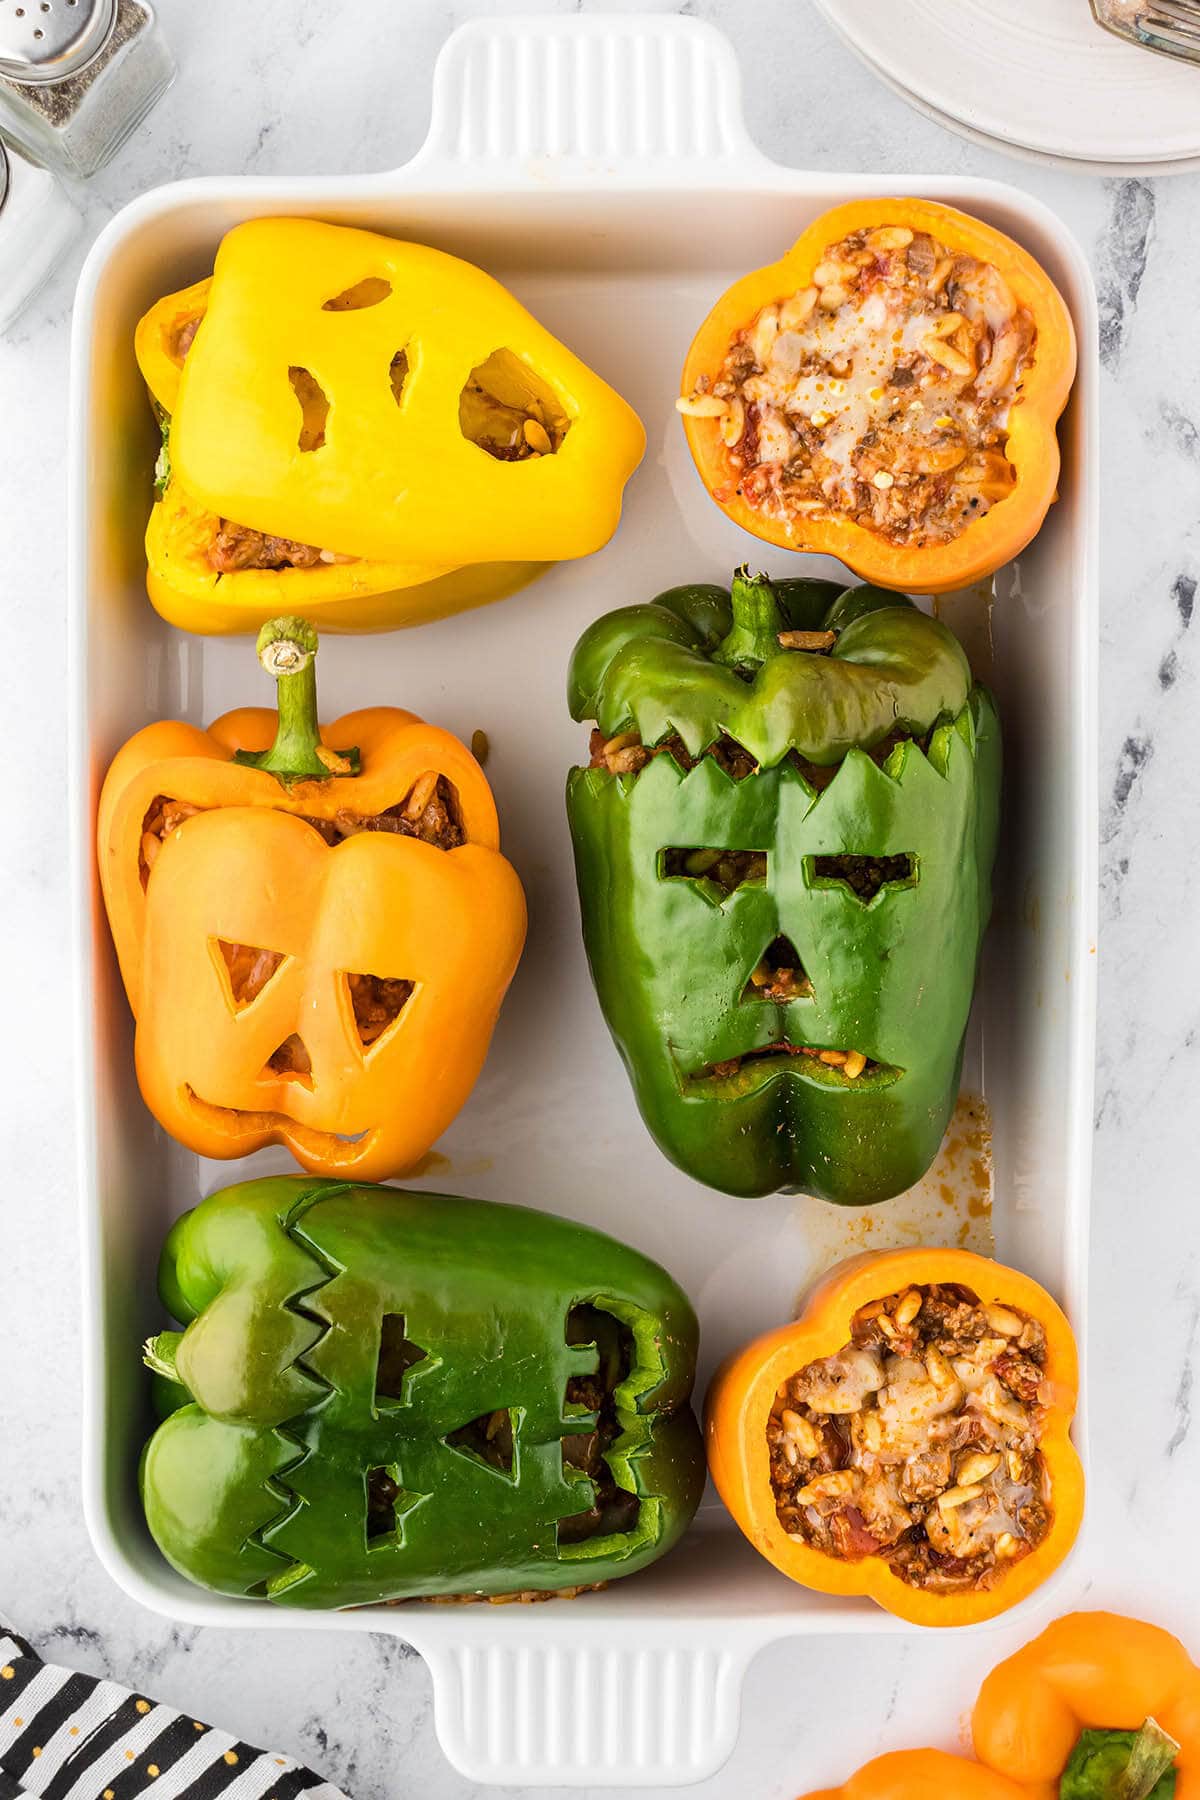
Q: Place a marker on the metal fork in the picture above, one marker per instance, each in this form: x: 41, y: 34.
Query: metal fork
x: 1172, y: 27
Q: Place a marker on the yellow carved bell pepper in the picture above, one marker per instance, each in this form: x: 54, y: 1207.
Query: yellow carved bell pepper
x: 388, y: 401
x: 188, y: 588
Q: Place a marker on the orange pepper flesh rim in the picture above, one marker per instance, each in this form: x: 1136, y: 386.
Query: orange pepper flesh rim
x: 1032, y: 444
x: 744, y: 1389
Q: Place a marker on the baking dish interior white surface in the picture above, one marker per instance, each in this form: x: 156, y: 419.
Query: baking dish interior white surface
x: 600, y: 168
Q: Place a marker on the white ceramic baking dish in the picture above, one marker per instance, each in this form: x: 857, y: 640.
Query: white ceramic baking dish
x: 600, y: 166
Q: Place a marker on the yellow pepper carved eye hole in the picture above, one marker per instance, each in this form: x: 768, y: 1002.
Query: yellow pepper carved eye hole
x: 314, y: 408
x: 510, y: 412
x: 398, y: 375
x: 369, y: 292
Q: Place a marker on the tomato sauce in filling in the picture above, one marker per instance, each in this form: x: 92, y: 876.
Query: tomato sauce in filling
x: 881, y: 393
x: 919, y: 1440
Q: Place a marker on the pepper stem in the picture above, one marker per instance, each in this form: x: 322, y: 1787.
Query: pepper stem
x: 1152, y: 1754
x: 287, y: 650
x: 158, y: 1353
x: 757, y: 622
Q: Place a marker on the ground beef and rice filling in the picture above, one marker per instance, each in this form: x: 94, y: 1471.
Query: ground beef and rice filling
x: 919, y: 1440
x: 881, y: 393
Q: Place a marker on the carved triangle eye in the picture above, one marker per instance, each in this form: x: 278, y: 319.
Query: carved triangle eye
x: 779, y: 975
x: 247, y: 968
x: 490, y: 1439
x: 377, y: 1002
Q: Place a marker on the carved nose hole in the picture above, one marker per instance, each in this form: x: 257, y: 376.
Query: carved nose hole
x: 864, y: 875
x: 369, y: 292
x: 779, y: 975
x: 291, y: 1061
x: 490, y: 1439
x: 726, y: 869
x: 314, y: 408
x: 509, y: 411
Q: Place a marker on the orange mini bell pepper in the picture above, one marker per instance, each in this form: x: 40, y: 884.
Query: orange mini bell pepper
x: 893, y: 409
x: 315, y: 927
x: 851, y: 1489
x: 924, y: 1775
x: 1068, y: 1713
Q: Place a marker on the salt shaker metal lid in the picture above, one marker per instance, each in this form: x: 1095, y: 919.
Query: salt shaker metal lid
x: 47, y: 40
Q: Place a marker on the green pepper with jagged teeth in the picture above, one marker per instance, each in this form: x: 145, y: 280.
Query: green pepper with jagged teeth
x: 784, y: 848
x: 383, y: 1395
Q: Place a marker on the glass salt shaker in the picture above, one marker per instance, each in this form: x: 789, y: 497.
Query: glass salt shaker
x: 37, y: 223
x: 77, y: 76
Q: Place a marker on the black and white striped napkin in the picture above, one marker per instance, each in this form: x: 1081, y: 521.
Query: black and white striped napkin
x: 66, y: 1736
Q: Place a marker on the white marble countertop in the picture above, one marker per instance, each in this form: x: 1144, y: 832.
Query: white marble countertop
x: 316, y: 85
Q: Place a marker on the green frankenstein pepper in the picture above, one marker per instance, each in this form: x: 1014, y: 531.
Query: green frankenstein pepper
x: 382, y: 1394
x: 784, y: 849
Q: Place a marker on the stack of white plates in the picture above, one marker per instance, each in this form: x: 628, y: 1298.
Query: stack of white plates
x: 1036, y: 77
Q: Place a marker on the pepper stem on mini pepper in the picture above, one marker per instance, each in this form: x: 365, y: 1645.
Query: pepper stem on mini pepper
x: 1121, y: 1765
x: 287, y: 650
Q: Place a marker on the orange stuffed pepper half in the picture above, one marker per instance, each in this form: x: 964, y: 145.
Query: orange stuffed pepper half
x: 315, y: 926
x: 908, y: 1437
x: 887, y: 393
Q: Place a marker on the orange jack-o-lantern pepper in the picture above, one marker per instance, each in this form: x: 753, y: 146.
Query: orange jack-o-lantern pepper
x: 315, y: 927
x: 880, y: 1444
x: 886, y: 393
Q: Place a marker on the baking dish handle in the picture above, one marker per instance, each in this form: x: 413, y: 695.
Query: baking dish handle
x: 643, y: 102
x: 555, y: 1710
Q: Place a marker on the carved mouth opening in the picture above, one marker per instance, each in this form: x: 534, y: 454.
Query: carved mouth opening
x: 237, y: 1122
x: 614, y: 1508
x: 836, y: 1068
